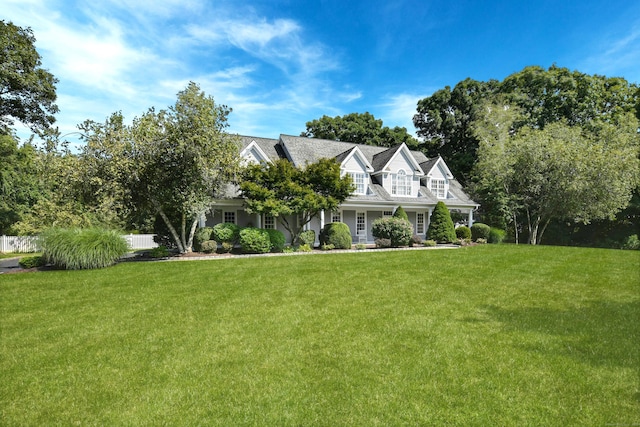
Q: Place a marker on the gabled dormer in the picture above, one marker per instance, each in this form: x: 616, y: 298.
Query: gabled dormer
x: 252, y: 153
x: 354, y: 163
x: 398, y: 171
x: 437, y: 177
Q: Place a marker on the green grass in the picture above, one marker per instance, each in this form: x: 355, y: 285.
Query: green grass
x: 485, y: 335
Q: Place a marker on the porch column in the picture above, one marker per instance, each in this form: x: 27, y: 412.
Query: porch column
x: 321, y: 219
x: 258, y: 220
x: 470, y: 221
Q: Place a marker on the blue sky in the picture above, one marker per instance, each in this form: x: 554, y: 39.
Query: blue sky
x: 279, y: 64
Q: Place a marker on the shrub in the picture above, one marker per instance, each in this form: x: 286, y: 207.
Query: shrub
x: 327, y: 247
x: 398, y: 230
x: 288, y: 249
x: 226, y: 232
x: 632, y: 242
x: 276, y: 237
x: 480, y: 231
x: 416, y: 240
x: 429, y: 243
x: 226, y: 247
x: 209, y: 246
x: 254, y: 241
x: 463, y: 232
x: 31, y: 262
x: 304, y: 248
x: 441, y: 227
x: 79, y: 249
x: 307, y: 237
x: 361, y: 246
x: 383, y: 243
x: 400, y: 213
x: 159, y: 252
x: 201, y: 235
x: 481, y: 241
x: 496, y: 235
x: 336, y: 234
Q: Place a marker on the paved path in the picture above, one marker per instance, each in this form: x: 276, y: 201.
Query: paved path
x: 9, y: 264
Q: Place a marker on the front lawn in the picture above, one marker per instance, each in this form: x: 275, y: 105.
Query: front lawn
x: 483, y: 335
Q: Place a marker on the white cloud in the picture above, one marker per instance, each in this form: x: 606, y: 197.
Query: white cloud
x: 398, y: 110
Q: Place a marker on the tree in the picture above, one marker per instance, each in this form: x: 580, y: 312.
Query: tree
x: 27, y: 91
x: 559, y: 172
x: 282, y: 190
x: 441, y: 228
x: 359, y: 129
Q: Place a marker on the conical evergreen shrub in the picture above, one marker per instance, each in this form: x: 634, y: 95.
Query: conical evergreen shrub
x: 441, y: 228
x: 400, y: 213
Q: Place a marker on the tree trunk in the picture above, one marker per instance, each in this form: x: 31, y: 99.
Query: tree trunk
x: 515, y: 228
x: 172, y: 230
x: 192, y: 232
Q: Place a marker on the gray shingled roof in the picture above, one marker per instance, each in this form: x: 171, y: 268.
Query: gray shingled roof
x: 268, y: 145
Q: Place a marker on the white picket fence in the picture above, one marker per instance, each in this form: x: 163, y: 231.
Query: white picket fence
x: 30, y: 243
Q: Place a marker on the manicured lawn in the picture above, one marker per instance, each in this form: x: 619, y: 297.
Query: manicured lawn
x: 486, y: 335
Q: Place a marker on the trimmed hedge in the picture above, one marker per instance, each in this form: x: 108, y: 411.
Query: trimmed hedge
x: 80, y: 249
x: 307, y: 237
x: 399, y: 231
x: 400, y: 213
x: 201, y: 235
x: 276, y: 237
x: 226, y: 233
x: 496, y: 235
x: 31, y: 262
x: 254, y: 241
x: 336, y: 234
x: 480, y: 231
x: 209, y: 246
x: 441, y: 227
x: 463, y: 232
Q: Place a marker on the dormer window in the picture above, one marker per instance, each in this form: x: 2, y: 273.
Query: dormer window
x: 360, y: 181
x: 437, y: 187
x: 400, y: 184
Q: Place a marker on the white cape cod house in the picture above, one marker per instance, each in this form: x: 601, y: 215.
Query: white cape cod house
x: 385, y: 178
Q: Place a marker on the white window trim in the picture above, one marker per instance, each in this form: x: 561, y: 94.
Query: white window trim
x: 404, y: 188
x: 438, y: 187
x: 337, y: 214
x: 418, y: 223
x: 264, y: 221
x: 235, y: 217
x: 365, y: 181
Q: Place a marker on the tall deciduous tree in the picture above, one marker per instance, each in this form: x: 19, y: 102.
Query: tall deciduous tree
x: 559, y: 172
x: 27, y: 91
x: 360, y: 129
x: 282, y: 190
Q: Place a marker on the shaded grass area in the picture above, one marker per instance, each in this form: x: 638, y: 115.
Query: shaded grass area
x: 485, y: 335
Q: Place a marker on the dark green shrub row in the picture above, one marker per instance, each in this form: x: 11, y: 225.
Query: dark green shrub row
x: 78, y: 249
x: 307, y: 237
x: 254, y: 241
x: 336, y: 234
x: 398, y: 230
x: 201, y: 235
x: 209, y: 246
x: 496, y: 235
x: 276, y: 237
x: 226, y: 232
x: 159, y: 252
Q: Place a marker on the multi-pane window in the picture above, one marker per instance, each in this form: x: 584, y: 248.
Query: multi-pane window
x: 361, y: 224
x: 360, y: 181
x: 387, y: 214
x: 438, y: 188
x: 269, y: 222
x: 420, y: 223
x: 401, y: 184
x: 336, y: 216
x: 230, y: 216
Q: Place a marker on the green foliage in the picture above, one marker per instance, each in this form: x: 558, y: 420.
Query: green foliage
x: 201, y: 235
x: 304, y: 248
x: 277, y: 239
x: 78, y: 249
x: 400, y: 213
x: 336, y: 234
x: 32, y: 262
x: 254, y: 241
x: 463, y: 232
x: 480, y: 231
x: 429, y: 243
x: 399, y: 231
x: 496, y: 235
x: 307, y: 237
x: 282, y: 190
x: 327, y: 247
x: 416, y: 240
x: 209, y: 246
x: 441, y: 228
x: 27, y: 91
x: 226, y: 232
x: 632, y: 243
x: 383, y: 243
x: 159, y: 252
x: 359, y: 129
x: 360, y: 246
x: 226, y: 247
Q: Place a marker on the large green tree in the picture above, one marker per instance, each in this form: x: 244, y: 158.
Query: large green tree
x: 559, y: 172
x: 284, y: 191
x: 27, y: 91
x: 360, y: 129
x: 544, y: 96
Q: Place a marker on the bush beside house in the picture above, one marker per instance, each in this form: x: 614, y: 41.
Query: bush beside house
x: 441, y: 228
x: 397, y: 230
x: 336, y: 234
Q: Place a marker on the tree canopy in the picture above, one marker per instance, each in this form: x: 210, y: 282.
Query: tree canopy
x: 280, y: 189
x: 27, y: 91
x: 359, y: 129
